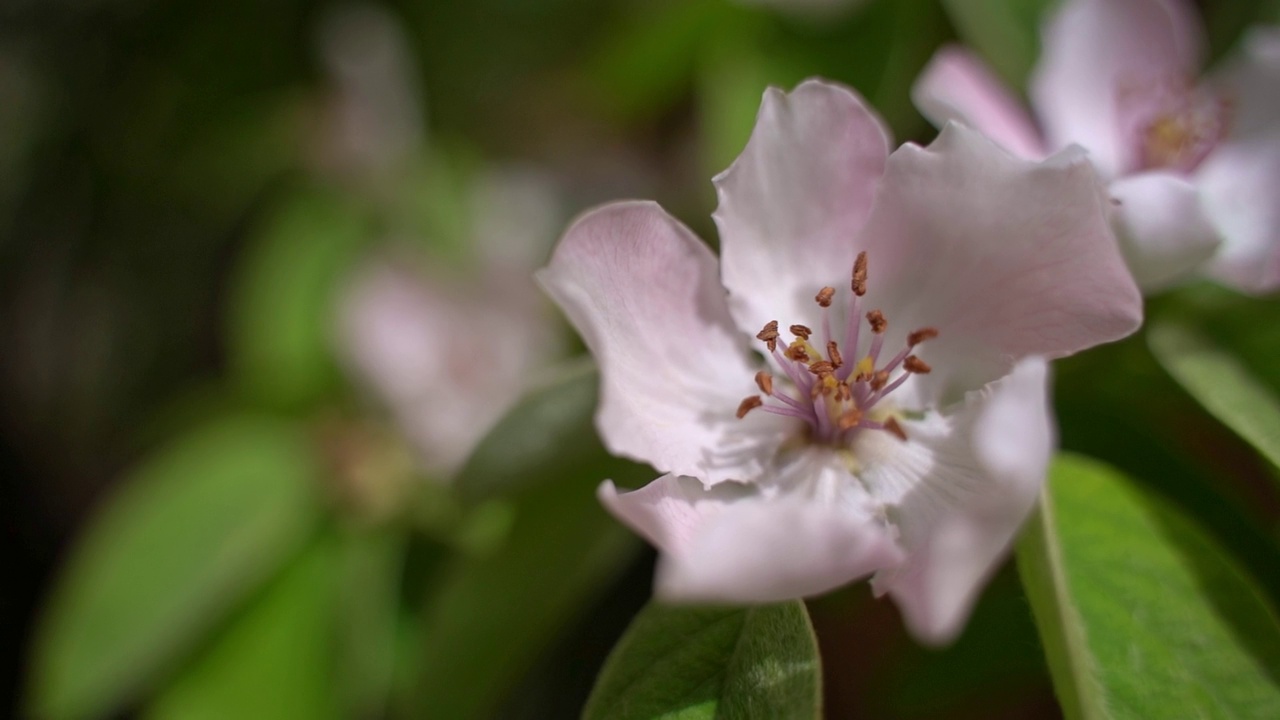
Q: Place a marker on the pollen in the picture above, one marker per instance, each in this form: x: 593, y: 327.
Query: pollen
x: 748, y: 404
x: 764, y: 381
x: 833, y: 354
x: 891, y: 424
x: 800, y: 331
x: 859, y: 283
x: 769, y: 335
x: 918, y: 336
x: 878, y: 322
x: 915, y: 365
x: 849, y: 419
x: 824, y: 296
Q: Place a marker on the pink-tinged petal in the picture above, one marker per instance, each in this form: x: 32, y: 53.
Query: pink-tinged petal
x: 958, y: 491
x: 1096, y: 56
x: 398, y: 329
x: 957, y: 85
x: 1007, y: 258
x: 643, y: 292
x: 1163, y: 231
x: 792, y: 202
x: 734, y: 544
x: 1239, y: 186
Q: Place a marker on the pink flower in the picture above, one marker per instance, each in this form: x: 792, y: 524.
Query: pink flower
x: 1194, y: 165
x: 897, y: 423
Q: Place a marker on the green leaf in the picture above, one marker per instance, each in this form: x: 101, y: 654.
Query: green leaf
x: 189, y: 535
x: 372, y: 567
x: 274, y: 660
x: 282, y: 310
x: 1006, y: 33
x: 492, y: 613
x: 1220, y: 383
x: 699, y: 662
x: 1142, y: 615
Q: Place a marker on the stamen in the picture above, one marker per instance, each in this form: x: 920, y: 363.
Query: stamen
x: 796, y: 351
x: 748, y: 404
x: 859, y: 283
x: 824, y: 296
x: 919, y: 336
x: 915, y: 365
x: 878, y: 322
x: 892, y: 426
x: 833, y: 352
x: 843, y: 392
x: 764, y: 381
x: 769, y: 335
x: 800, y: 331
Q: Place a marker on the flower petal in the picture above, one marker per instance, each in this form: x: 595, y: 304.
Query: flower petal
x: 730, y: 544
x: 643, y: 293
x: 958, y: 492
x: 1250, y: 80
x: 1162, y: 228
x: 1006, y: 258
x: 1239, y: 183
x: 957, y: 85
x: 1095, y: 53
x: 792, y: 202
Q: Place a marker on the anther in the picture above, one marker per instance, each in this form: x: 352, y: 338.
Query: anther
x: 859, y: 283
x: 800, y: 331
x: 821, y: 367
x: 843, y: 392
x: 878, y: 322
x: 849, y: 419
x: 919, y: 336
x: 824, y: 296
x: 915, y: 365
x: 833, y: 354
x: 879, y: 380
x: 749, y: 404
x: 795, y: 351
x: 769, y: 335
x: 892, y: 426
x: 764, y: 381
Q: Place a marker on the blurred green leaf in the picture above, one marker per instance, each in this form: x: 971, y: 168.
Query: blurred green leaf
x: 1006, y: 33
x: 491, y: 614
x: 282, y: 300
x: 189, y: 535
x: 699, y: 662
x: 371, y: 568
x: 1221, y: 384
x: 1142, y: 615
x: 274, y: 660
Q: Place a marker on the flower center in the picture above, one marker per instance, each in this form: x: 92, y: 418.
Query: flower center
x: 836, y: 397
x: 1176, y: 125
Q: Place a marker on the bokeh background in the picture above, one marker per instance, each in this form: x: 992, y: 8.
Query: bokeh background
x: 195, y: 195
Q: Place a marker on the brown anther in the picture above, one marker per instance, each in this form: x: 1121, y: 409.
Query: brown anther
x: 769, y: 335
x: 824, y: 296
x: 749, y: 404
x: 915, y: 365
x: 843, y: 392
x: 764, y: 381
x: 849, y: 419
x: 800, y: 331
x: 795, y: 351
x: 879, y: 380
x: 859, y: 283
x: 833, y: 354
x: 821, y: 367
x: 919, y: 336
x: 892, y: 426
x: 878, y: 321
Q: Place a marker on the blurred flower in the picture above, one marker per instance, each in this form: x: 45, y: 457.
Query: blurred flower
x: 450, y: 347
x: 850, y: 454
x: 1194, y: 164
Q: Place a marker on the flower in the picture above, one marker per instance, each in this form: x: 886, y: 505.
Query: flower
x: 1194, y: 166
x: 903, y: 303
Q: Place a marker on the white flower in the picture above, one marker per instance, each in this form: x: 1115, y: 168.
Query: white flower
x: 904, y: 305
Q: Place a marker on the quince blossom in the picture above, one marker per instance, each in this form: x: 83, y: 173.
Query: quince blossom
x: 869, y: 397
x: 1194, y: 164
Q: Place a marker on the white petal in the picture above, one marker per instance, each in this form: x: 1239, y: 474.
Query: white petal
x: 1240, y: 184
x: 1162, y: 228
x: 958, y: 493
x: 737, y: 544
x: 957, y: 85
x: 1007, y: 258
x: 1250, y: 80
x: 643, y: 293
x: 791, y: 204
x: 1097, y: 52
